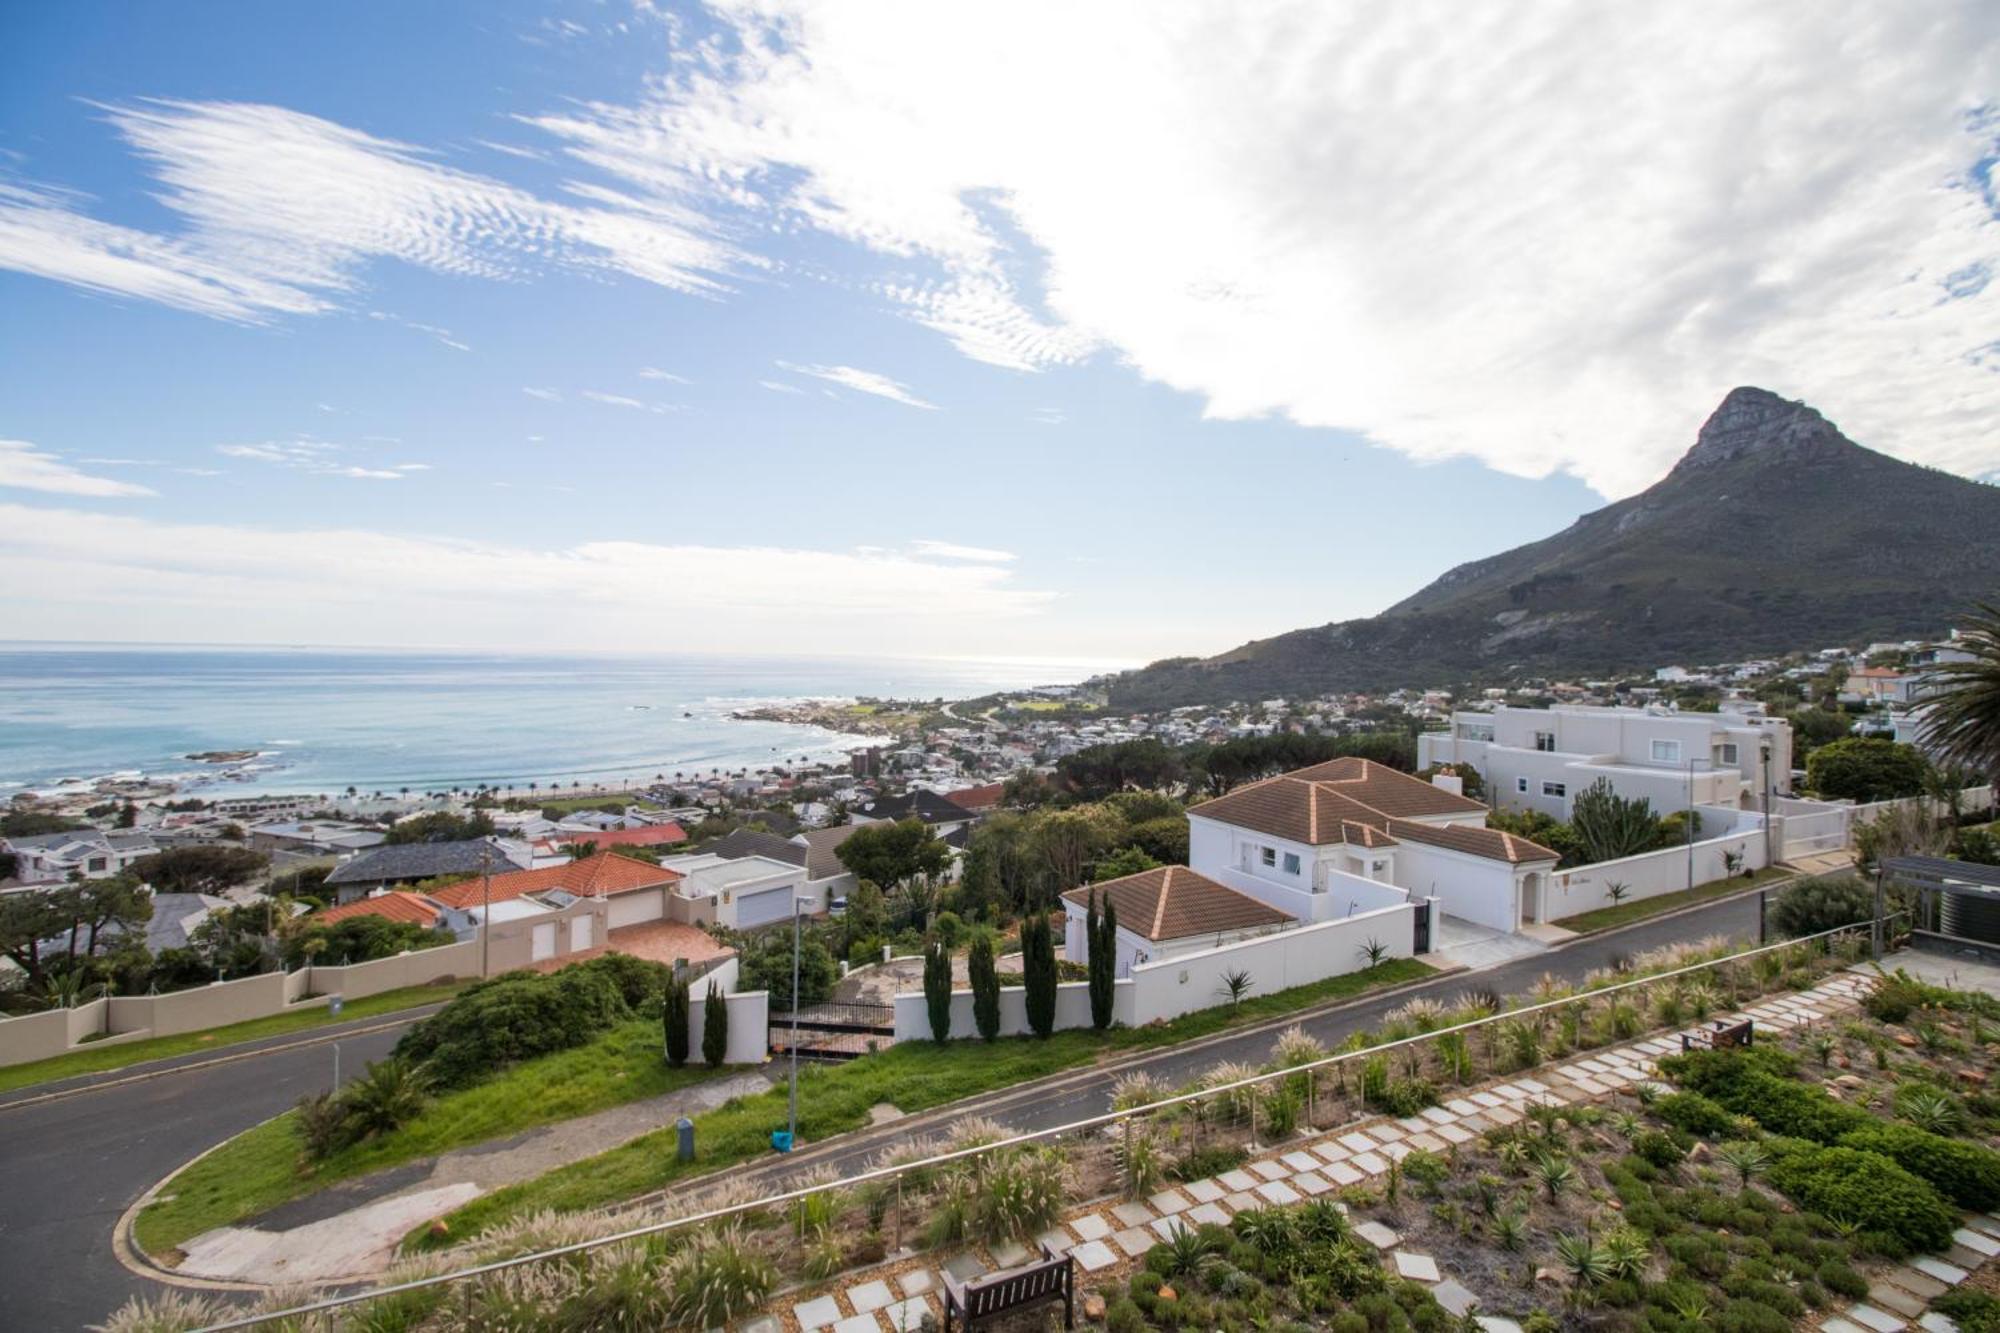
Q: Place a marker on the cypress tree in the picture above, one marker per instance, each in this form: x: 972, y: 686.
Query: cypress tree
x: 1101, y: 934
x: 674, y: 1018
x: 937, y: 990
x: 1038, y: 973
x: 714, y: 1027
x: 985, y: 986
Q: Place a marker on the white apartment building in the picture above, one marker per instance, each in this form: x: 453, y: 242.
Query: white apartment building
x: 1540, y: 758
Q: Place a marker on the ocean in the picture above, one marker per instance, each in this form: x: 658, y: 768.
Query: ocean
x: 322, y: 720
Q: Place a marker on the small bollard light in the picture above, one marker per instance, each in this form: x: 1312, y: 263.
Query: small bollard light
x: 684, y: 1135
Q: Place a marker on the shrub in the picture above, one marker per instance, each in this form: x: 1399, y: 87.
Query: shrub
x: 674, y: 1018
x: 937, y: 990
x: 1966, y: 1173
x: 1897, y: 1212
x: 391, y: 1094
x: 1841, y: 1279
x: 985, y: 987
x: 1038, y: 969
x: 1974, y: 1311
x: 521, y: 1015
x: 1209, y: 1160
x: 714, y: 1027
x: 1694, y: 1113
x: 1662, y: 1150
x: 1815, y: 905
x: 718, y: 1278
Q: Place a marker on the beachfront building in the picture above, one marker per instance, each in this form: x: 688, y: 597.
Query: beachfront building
x: 1540, y: 758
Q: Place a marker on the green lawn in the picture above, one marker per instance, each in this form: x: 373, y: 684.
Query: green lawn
x: 914, y: 1076
x: 1604, y: 918
x: 262, y: 1167
x: 159, y: 1048
x: 571, y: 804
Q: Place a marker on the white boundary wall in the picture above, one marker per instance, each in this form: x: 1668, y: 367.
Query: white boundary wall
x: 1186, y: 982
x: 749, y: 1023
x: 1586, y: 888
x: 1808, y: 826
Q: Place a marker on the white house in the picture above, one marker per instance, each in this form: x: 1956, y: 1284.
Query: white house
x: 50, y: 858
x: 739, y: 892
x: 1540, y: 758
x: 1349, y: 836
x: 1167, y: 911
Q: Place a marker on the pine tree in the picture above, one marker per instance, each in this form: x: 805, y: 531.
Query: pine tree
x: 1038, y: 973
x: 714, y: 1027
x: 674, y: 1018
x: 985, y: 986
x: 937, y: 990
x: 1101, y: 935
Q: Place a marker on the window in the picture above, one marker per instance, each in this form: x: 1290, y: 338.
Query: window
x: 1666, y: 752
x: 1291, y: 863
x: 1269, y: 855
x: 1725, y: 753
x: 1545, y: 740
x: 1520, y: 784
x: 1476, y: 731
x: 1555, y: 789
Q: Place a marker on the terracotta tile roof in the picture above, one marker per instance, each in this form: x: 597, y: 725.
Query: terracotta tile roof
x: 1175, y: 903
x: 654, y: 835
x: 396, y: 906
x: 605, y: 873
x: 978, y: 799
x: 1317, y: 805
x: 1473, y: 840
x: 1366, y: 835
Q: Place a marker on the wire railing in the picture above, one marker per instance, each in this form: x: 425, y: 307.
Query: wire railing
x: 1206, y: 1094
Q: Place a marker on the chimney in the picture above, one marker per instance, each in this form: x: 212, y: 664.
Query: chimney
x: 1450, y: 782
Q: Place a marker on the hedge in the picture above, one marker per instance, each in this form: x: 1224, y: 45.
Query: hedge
x: 1898, y: 1213
x: 1965, y: 1173
x: 1695, y: 1113
x: 520, y: 1015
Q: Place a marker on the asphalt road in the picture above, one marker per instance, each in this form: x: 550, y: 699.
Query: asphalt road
x: 73, y: 1165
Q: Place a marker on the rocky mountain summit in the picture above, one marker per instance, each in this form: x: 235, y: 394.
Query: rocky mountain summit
x: 1773, y: 532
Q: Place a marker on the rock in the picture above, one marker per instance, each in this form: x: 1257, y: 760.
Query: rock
x: 1169, y: 1294
x: 1093, y: 1307
x: 1698, y: 1153
x: 1973, y: 1076
x: 1615, y: 1205
x: 1549, y: 1275
x: 1850, y: 1081
x: 439, y: 1228
x: 1905, y: 1039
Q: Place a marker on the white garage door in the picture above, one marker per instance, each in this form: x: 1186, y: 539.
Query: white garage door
x: 629, y: 909
x: 761, y: 909
x: 579, y: 932
x: 543, y: 943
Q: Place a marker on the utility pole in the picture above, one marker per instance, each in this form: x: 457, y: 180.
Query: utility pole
x: 486, y: 913
x: 792, y: 1111
x: 1764, y: 761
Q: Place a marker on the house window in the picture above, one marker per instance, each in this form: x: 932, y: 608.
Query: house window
x: 1269, y: 855
x: 1555, y: 789
x: 1666, y: 752
x: 1725, y: 753
x: 1291, y: 863
x: 1520, y: 784
x: 1545, y: 740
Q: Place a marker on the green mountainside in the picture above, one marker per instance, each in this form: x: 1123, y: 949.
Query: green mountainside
x: 1774, y: 533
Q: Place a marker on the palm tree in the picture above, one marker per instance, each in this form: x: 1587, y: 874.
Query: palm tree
x: 1962, y: 720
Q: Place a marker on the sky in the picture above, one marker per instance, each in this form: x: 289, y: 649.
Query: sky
x: 1099, y: 331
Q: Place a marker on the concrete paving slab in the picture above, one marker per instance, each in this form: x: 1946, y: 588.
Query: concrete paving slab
x: 1138, y: 1214
x: 1377, y: 1235
x: 1279, y: 1193
x: 1208, y: 1214
x: 1949, y: 1274
x: 1091, y: 1226
x: 868, y: 1297
x: 1135, y: 1241
x: 1269, y: 1170
x: 819, y: 1312
x: 1881, y: 1321
x: 1311, y: 1183
x: 907, y: 1316
x: 860, y: 1323
x: 1093, y: 1255
x: 1415, y: 1267
x: 1168, y: 1201
x: 1455, y: 1297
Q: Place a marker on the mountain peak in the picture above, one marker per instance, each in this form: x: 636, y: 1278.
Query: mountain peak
x: 1756, y: 422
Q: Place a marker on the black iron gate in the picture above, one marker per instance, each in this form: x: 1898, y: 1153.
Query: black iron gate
x: 1422, y: 918
x: 833, y: 1031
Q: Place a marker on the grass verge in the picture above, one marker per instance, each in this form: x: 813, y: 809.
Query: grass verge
x: 1624, y: 914
x: 98, y: 1060
x: 836, y: 1099
x: 262, y: 1167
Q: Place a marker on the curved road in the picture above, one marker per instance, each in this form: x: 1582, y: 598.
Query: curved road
x: 74, y: 1164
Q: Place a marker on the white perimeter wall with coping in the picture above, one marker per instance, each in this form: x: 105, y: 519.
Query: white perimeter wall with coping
x: 749, y: 1024
x: 1473, y: 888
x: 1186, y: 982
x: 1587, y: 888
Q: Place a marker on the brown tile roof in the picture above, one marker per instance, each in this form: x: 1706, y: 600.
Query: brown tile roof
x: 396, y: 906
x: 604, y: 873
x: 1473, y: 840
x: 1316, y: 805
x: 821, y: 846
x: 978, y: 799
x: 1174, y: 903
x: 653, y: 835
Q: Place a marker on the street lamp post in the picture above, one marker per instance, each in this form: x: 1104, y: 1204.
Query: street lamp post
x: 792, y: 1112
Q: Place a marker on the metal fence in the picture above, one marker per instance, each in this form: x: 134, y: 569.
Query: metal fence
x: 1824, y: 940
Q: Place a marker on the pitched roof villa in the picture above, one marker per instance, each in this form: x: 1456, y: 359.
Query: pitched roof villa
x: 1176, y: 903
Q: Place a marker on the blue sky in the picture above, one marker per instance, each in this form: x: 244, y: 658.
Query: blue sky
x: 1025, y: 331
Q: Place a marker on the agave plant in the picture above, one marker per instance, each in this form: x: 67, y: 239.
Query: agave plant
x: 1510, y: 1232
x: 1930, y: 1108
x: 1553, y: 1172
x: 1745, y: 1158
x: 1626, y: 1252
x: 1587, y: 1262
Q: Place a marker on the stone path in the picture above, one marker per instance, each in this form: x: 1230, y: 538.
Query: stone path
x: 1102, y: 1236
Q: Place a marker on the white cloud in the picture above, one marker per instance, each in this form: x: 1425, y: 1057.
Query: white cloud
x: 613, y: 399
x: 654, y: 373
x: 953, y: 551
x: 281, y: 211
x: 317, y: 457
x: 25, y: 467
x: 1544, y: 235
x: 779, y: 386
x: 546, y: 395
x: 186, y: 581
x: 862, y: 381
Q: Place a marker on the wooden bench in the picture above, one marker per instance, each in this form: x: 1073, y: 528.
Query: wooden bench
x: 1719, y: 1037
x: 1051, y: 1278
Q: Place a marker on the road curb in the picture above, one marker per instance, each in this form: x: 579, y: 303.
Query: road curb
x: 146, y: 1076
x: 125, y: 1243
